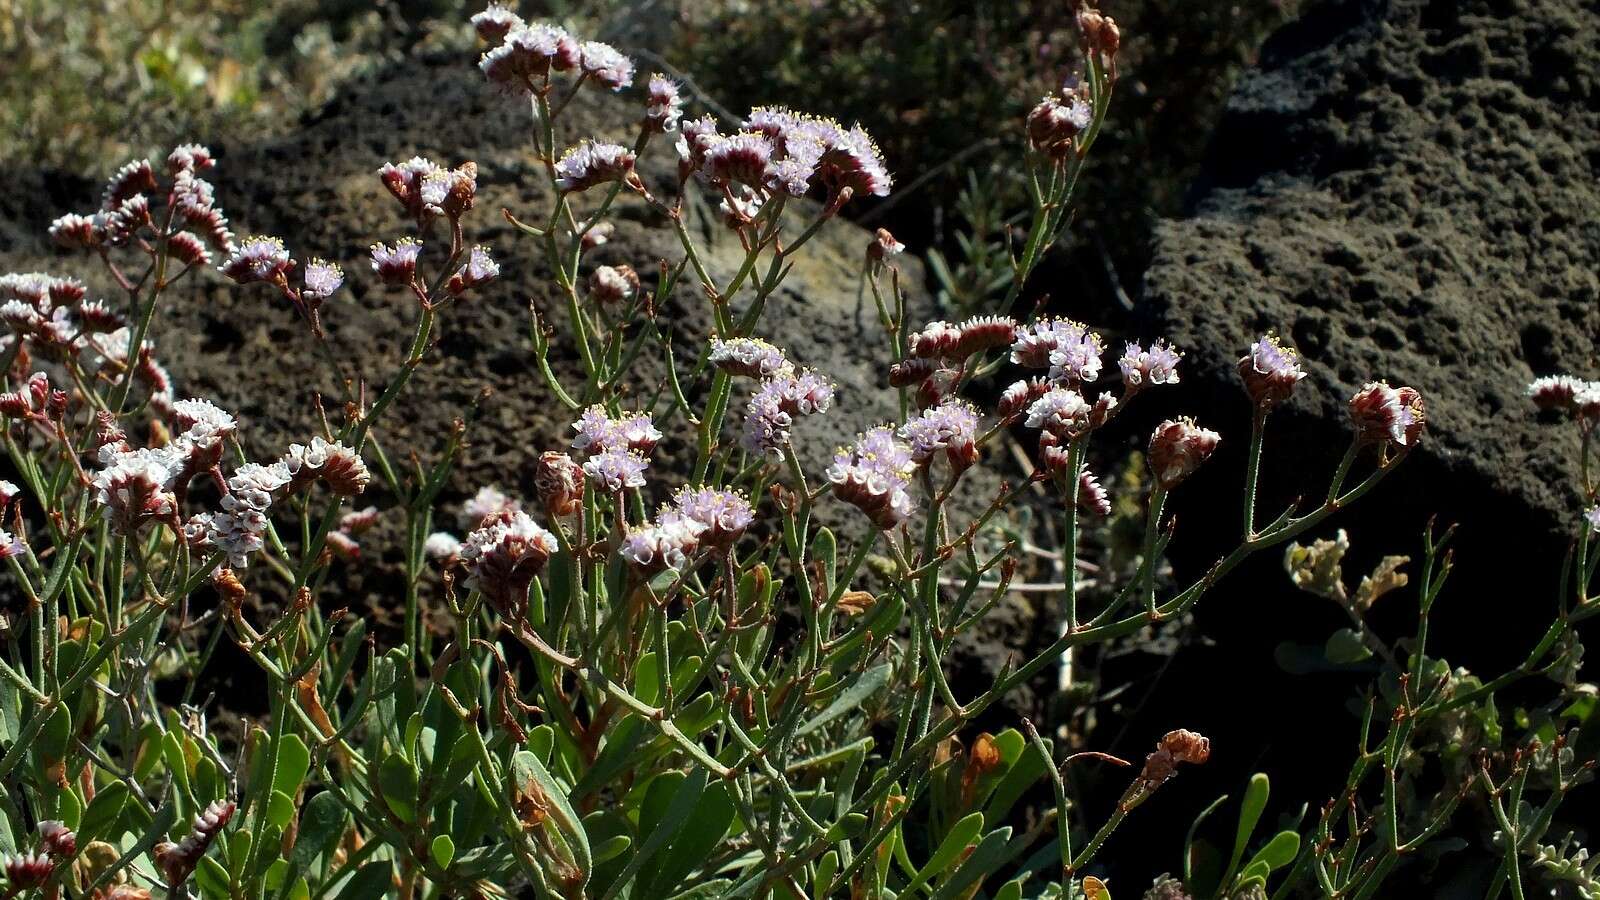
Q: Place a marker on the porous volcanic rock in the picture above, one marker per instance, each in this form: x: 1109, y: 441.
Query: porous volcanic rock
x: 1407, y: 190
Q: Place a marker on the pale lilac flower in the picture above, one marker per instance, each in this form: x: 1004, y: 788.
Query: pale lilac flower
x: 597, y: 236
x: 529, y: 52
x: 1177, y: 448
x: 1069, y: 349
x: 488, y: 501
x: 1559, y: 391
x: 722, y: 514
x: 741, y: 158
x: 8, y: 493
x: 205, y: 428
x: 853, y: 160
x: 504, y: 555
x: 751, y: 357
x: 598, y: 432
x: 1270, y: 371
x: 253, y: 486
x: 192, y: 196
x: 591, y: 163
x: 136, y: 488
x: 664, y: 106
x: 694, y: 138
x: 605, y: 64
x: 1592, y: 516
x: 874, y: 476
x: 441, y: 545
x: 495, y: 22
x: 777, y: 402
x: 740, y: 206
x: 613, y: 284
x: 397, y: 264
x: 1383, y: 414
x: 336, y: 465
x: 668, y: 544
x: 405, y: 181
x: 792, y: 174
x: 257, y: 259
x: 1142, y: 368
x: 1062, y: 412
x: 951, y: 426
x: 321, y: 278
x: 479, y: 269
x: 189, y: 158
x: 1055, y: 122
x: 10, y: 545
x: 614, y: 470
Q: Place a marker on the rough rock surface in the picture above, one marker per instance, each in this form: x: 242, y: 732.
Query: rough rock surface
x: 1403, y: 190
x: 1407, y: 190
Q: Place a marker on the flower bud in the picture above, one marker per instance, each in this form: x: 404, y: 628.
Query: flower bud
x: 1177, y: 448
x: 1383, y: 414
x: 613, y: 284
x: 559, y: 482
x: 397, y: 264
x: 1270, y: 372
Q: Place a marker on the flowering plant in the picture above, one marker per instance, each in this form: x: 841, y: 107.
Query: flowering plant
x: 721, y: 698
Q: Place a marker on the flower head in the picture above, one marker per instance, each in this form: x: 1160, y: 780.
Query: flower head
x: 1056, y: 122
x: 742, y: 158
x: 504, y: 555
x: 332, y: 463
x: 188, y: 249
x: 441, y: 545
x: 874, y: 476
x: 1592, y: 519
x: 479, y: 269
x: 669, y: 544
x: 616, y: 469
x: 257, y: 259
x: 396, y: 264
x: 1091, y: 496
x: 320, y: 279
x: 132, y: 179
x: 494, y: 23
x: 1270, y: 371
x: 189, y: 158
x: 1068, y: 349
x: 852, y: 160
x: 1062, y: 412
x: 591, y: 163
x: 936, y: 340
x: 951, y: 426
x: 598, y: 432
x: 984, y: 333
x: 721, y: 515
x: 664, y: 107
x: 136, y: 488
x: 750, y: 357
x: 1560, y: 391
x: 76, y: 232
x: 1177, y: 448
x: 1383, y: 414
x: 1143, y: 368
x: 613, y: 284
x: 776, y: 403
x: 605, y: 64
x: 527, y: 53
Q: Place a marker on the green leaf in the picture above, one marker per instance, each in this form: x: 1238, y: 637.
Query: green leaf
x: 530, y: 774
x: 611, y: 848
x: 1028, y: 768
x: 280, y: 809
x: 322, y: 822
x: 444, y: 850
x: 669, y: 801
x: 1011, y: 890
x: 825, y: 549
x: 1255, y: 800
x: 961, y: 836
x: 397, y: 780
x: 696, y: 841
x: 100, y: 818
x: 991, y: 853
x: 870, y: 683
x: 1279, y: 852
x: 294, y: 761
x: 1346, y: 647
x: 373, y: 880
x: 211, y: 877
